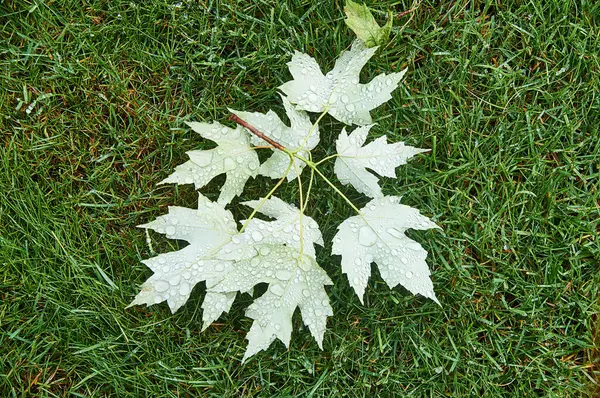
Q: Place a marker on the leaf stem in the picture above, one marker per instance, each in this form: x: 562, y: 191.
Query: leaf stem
x: 314, y: 167
x: 256, y: 132
x: 302, y: 205
x: 310, y: 183
x: 327, y: 158
x: 312, y: 129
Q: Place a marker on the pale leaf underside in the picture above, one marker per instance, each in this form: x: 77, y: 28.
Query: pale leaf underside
x: 206, y: 230
x: 378, y: 155
x: 379, y: 236
x: 295, y: 280
x: 233, y: 156
x: 299, y: 136
x: 281, y: 252
x: 290, y: 228
x: 228, y: 261
x: 339, y: 91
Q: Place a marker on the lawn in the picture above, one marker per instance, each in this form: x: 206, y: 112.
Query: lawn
x: 93, y: 99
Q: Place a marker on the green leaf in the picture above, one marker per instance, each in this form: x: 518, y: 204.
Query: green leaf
x: 362, y: 23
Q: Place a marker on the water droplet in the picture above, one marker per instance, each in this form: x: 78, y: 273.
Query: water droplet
x: 170, y: 230
x: 255, y: 261
x: 413, y: 245
x: 318, y: 312
x: 409, y: 274
x: 395, y: 233
x: 356, y: 281
x: 350, y: 107
x: 184, y: 289
x: 388, y: 82
x: 175, y: 221
x: 304, y: 71
x: 345, y: 99
x: 239, y: 159
x: 228, y: 164
x: 325, y: 303
x: 366, y: 236
x: 277, y: 289
x: 333, y: 98
x: 265, y: 251
x: 357, y: 261
x: 174, y: 280
x: 283, y: 274
x: 312, y: 97
x: 287, y: 229
x: 219, y: 267
x: 161, y: 286
x: 257, y: 236
x: 306, y: 293
x: 404, y: 260
x: 202, y: 158
x: 277, y: 326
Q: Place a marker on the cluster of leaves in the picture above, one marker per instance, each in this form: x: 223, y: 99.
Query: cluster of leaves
x: 281, y: 251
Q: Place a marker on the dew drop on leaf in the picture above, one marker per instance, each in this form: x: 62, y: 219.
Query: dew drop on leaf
x: 184, y: 288
x: 366, y: 236
x: 203, y: 158
x: 395, y: 233
x: 277, y: 289
x: 257, y: 236
x: 283, y: 274
x: 228, y: 164
x: 161, y: 286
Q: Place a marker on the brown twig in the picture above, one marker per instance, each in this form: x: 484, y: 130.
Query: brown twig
x: 257, y: 133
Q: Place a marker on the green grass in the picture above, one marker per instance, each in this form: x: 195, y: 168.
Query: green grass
x: 506, y: 94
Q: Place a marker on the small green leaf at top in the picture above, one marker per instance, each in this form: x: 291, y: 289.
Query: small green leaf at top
x: 363, y: 24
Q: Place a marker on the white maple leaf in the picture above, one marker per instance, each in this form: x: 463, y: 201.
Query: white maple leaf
x: 233, y: 156
x: 378, y: 236
x: 378, y: 155
x: 206, y: 230
x: 230, y: 262
x: 295, y: 280
x: 339, y: 91
x: 290, y: 228
x: 299, y: 136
